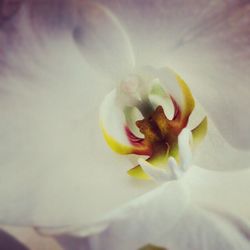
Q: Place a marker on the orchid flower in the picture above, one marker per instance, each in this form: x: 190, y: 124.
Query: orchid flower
x: 147, y: 79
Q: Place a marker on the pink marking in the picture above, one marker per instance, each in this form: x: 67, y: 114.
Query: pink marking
x: 133, y: 139
x: 177, y: 110
x: 139, y: 146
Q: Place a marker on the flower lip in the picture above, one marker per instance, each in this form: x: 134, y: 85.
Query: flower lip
x: 152, y: 134
x: 175, y: 171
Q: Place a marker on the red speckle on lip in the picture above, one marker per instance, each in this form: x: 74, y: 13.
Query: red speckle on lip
x: 133, y: 139
x: 139, y: 143
x: 177, y: 110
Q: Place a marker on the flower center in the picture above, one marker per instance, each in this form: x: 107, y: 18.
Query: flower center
x: 152, y: 133
x: 160, y: 133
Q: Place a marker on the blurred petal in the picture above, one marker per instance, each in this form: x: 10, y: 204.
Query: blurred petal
x: 55, y: 166
x: 104, y: 41
x: 124, y: 232
x: 223, y: 191
x: 157, y: 174
x: 177, y: 215
x: 9, y: 242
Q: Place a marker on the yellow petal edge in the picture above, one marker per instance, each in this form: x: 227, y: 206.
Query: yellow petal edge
x: 114, y: 144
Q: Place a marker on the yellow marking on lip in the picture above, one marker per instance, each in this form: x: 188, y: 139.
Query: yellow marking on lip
x: 200, y: 132
x: 115, y: 145
x: 155, y: 161
x: 189, y: 102
x: 138, y: 173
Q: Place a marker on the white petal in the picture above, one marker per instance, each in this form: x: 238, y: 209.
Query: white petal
x: 167, y: 221
x: 207, y: 43
x: 159, y: 175
x: 224, y: 191
x: 55, y: 165
x: 112, y: 118
x: 168, y: 201
x: 204, y: 229
x: 104, y: 41
x: 184, y: 143
x: 215, y: 152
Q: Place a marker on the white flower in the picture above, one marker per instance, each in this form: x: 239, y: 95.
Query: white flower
x: 58, y: 175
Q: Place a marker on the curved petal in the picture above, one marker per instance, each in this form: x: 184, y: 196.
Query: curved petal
x: 115, y: 145
x: 188, y: 103
x: 199, y: 132
x: 154, y: 209
x: 207, y: 43
x: 55, y: 166
x: 155, y: 162
x: 114, y: 127
x: 171, y: 221
x: 226, y: 192
x: 112, y: 122
x: 103, y: 40
x: 177, y: 88
x: 159, y: 175
x: 214, y: 152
